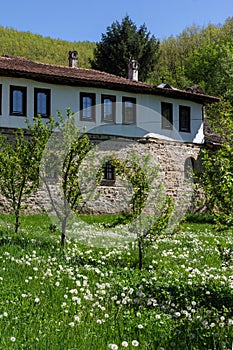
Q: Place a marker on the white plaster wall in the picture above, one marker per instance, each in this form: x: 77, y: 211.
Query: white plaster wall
x: 148, y: 110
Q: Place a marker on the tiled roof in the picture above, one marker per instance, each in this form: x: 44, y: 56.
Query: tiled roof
x: 15, y: 66
x: 25, y: 66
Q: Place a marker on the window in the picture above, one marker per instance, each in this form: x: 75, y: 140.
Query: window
x: 0, y: 99
x: 109, y: 175
x: 167, y: 115
x: 42, y: 102
x: 190, y: 166
x: 129, y: 110
x: 108, y: 108
x: 109, y: 171
x: 87, y: 106
x: 184, y: 118
x: 18, y: 100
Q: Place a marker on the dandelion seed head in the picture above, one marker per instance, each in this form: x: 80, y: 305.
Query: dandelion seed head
x: 124, y: 344
x: 135, y: 343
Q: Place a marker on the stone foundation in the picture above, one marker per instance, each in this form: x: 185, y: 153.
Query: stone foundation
x: 170, y: 158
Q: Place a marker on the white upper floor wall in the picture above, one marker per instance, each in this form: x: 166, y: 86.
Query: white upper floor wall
x: 131, y: 111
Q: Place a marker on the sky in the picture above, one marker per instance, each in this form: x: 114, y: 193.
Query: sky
x: 76, y: 20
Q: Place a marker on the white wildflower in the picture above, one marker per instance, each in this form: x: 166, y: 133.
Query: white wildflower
x: 124, y: 344
x: 135, y: 343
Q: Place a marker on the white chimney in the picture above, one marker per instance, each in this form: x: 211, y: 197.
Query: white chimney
x: 73, y: 59
x: 133, y: 70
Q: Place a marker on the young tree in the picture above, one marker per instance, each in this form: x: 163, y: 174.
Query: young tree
x: 63, y: 155
x: 122, y: 42
x: 19, y: 163
x: 151, y: 208
x: 216, y: 179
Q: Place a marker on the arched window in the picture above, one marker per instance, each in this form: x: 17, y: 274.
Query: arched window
x: 189, y: 167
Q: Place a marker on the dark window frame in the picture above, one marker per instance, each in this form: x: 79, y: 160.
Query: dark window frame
x: 134, y: 102
x: 23, y: 89
x: 185, y: 124
x: 109, y: 174
x: 167, y: 121
x: 112, y: 98
x: 0, y: 99
x: 92, y: 96
x: 48, y: 102
x: 109, y: 171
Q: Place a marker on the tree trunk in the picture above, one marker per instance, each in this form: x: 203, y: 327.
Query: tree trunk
x: 17, y: 223
x: 140, y: 254
x: 63, y: 233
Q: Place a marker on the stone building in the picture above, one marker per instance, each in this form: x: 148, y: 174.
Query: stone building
x: 168, y: 122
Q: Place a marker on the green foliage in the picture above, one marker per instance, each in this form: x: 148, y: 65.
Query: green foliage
x: 160, y: 225
x: 122, y: 42
x: 135, y: 174
x: 198, y: 56
x: 210, y: 65
x: 141, y: 174
x: 216, y: 177
x: 219, y: 116
x: 85, y: 297
x: 39, y: 48
x: 20, y: 161
x: 64, y: 154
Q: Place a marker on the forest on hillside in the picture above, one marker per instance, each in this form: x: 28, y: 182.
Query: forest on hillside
x: 43, y: 49
x: 199, y: 55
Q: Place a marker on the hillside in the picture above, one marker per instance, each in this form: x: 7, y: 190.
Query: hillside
x: 43, y: 49
x: 198, y: 56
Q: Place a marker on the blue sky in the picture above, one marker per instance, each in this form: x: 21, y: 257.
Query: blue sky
x: 86, y: 20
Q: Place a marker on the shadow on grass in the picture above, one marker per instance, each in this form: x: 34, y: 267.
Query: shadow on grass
x: 8, y: 237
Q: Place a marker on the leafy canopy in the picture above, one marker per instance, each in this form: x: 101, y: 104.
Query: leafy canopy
x: 20, y: 161
x: 63, y: 156
x: 122, y: 42
x: 216, y: 178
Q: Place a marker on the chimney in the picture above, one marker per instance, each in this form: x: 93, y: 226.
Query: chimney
x: 73, y: 59
x: 133, y: 70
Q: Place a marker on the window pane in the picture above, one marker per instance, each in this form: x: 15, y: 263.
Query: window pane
x: 87, y: 102
x: 108, y: 109
x: 41, y: 103
x: 167, y: 115
x: 17, y: 101
x: 184, y: 118
x: 129, y: 110
x: 109, y: 171
x: 87, y: 106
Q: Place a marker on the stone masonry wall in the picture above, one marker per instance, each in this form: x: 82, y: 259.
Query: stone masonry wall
x: 169, y: 156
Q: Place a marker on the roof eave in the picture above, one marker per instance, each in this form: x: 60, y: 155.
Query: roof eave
x: 136, y: 88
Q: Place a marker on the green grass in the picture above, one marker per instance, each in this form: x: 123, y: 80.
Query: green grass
x: 88, y: 297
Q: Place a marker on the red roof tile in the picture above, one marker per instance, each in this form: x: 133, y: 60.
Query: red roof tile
x: 15, y: 66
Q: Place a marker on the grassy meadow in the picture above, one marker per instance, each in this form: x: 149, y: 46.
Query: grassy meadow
x: 91, y: 295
